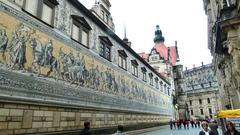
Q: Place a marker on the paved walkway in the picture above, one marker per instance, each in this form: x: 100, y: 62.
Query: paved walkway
x: 167, y: 131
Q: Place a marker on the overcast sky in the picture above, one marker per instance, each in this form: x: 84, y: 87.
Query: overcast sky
x: 181, y: 20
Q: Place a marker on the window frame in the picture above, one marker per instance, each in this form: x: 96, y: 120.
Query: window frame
x: 201, y: 111
x: 156, y: 83
x: 105, y: 44
x: 150, y: 78
x: 208, y: 100
x: 122, y: 59
x: 82, y: 25
x: 134, y: 67
x: 200, y: 101
x: 39, y: 11
x: 144, y: 74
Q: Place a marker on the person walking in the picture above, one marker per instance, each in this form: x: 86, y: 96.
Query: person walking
x: 184, y: 124
x: 205, y: 130
x: 178, y: 124
x: 231, y: 130
x: 119, y: 131
x: 192, y: 123
x: 214, y: 127
x: 174, y: 124
x: 187, y: 123
x: 86, y: 130
x: 198, y: 123
x: 171, y: 124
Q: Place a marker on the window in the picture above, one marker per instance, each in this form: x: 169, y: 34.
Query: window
x: 210, y: 110
x: 190, y: 102
x: 41, y: 9
x: 156, y: 83
x: 191, y: 112
x: 200, y: 101
x: 134, y: 67
x: 151, y: 78
x: 168, y: 91
x: 102, y: 14
x: 144, y: 77
x: 201, y: 110
x: 161, y: 86
x: 122, y: 59
x: 105, y: 47
x: 107, y: 18
x: 80, y: 30
x: 208, y: 100
x: 165, y: 88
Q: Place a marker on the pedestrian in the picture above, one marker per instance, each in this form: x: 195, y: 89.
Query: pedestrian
x: 184, y: 124
x: 174, y: 124
x: 187, y: 123
x: 198, y: 123
x: 119, y: 131
x: 171, y: 124
x: 205, y: 130
x: 214, y: 127
x: 86, y: 130
x: 192, y: 123
x: 178, y: 124
x: 195, y: 123
x: 231, y: 130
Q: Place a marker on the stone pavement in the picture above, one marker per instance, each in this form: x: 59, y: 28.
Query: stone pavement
x: 164, y: 130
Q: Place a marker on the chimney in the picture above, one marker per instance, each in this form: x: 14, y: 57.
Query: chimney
x: 202, y: 63
x: 186, y: 68
x: 175, y: 42
x: 193, y: 65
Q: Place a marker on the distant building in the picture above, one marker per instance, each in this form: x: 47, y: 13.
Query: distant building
x: 197, y: 92
x: 162, y: 58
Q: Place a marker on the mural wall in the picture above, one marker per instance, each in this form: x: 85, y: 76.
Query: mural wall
x: 26, y: 50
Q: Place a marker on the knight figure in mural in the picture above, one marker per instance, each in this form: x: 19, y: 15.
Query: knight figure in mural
x: 47, y: 57
x: 3, y: 41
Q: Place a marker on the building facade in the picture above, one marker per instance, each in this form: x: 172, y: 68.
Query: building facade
x: 197, y: 92
x: 61, y: 65
x: 163, y: 58
x: 223, y: 42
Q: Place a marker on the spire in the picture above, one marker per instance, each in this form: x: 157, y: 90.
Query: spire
x: 158, y: 35
x: 125, y: 39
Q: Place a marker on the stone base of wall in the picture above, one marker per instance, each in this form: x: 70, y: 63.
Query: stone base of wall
x: 23, y: 118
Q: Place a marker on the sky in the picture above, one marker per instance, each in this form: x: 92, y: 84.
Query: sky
x: 181, y: 20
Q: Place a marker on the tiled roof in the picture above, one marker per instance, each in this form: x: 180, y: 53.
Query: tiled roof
x: 163, y: 51
x: 144, y: 56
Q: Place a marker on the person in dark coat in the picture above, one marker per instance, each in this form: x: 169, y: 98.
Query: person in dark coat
x: 171, y: 124
x: 205, y: 130
x: 214, y: 126
x: 86, y: 130
x: 231, y: 130
x: 192, y: 123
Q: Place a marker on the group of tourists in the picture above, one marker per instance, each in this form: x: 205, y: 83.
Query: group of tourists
x: 209, y: 127
x: 179, y: 124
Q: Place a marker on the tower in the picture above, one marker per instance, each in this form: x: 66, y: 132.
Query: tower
x: 125, y: 39
x: 158, y: 35
x: 101, y: 9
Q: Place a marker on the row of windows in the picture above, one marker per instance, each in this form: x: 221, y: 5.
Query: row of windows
x: 200, y: 101
x: 44, y: 10
x: 201, y: 111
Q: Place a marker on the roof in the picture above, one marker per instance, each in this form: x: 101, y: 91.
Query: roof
x: 162, y: 50
x: 144, y: 56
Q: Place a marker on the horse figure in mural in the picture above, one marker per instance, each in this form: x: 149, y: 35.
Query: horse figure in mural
x: 42, y: 57
x: 73, y: 69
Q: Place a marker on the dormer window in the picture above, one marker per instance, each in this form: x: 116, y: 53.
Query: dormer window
x: 144, y: 77
x: 41, y: 9
x: 122, y: 59
x: 80, y: 30
x: 134, y: 67
x: 105, y: 47
x: 151, y: 78
x: 156, y: 83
